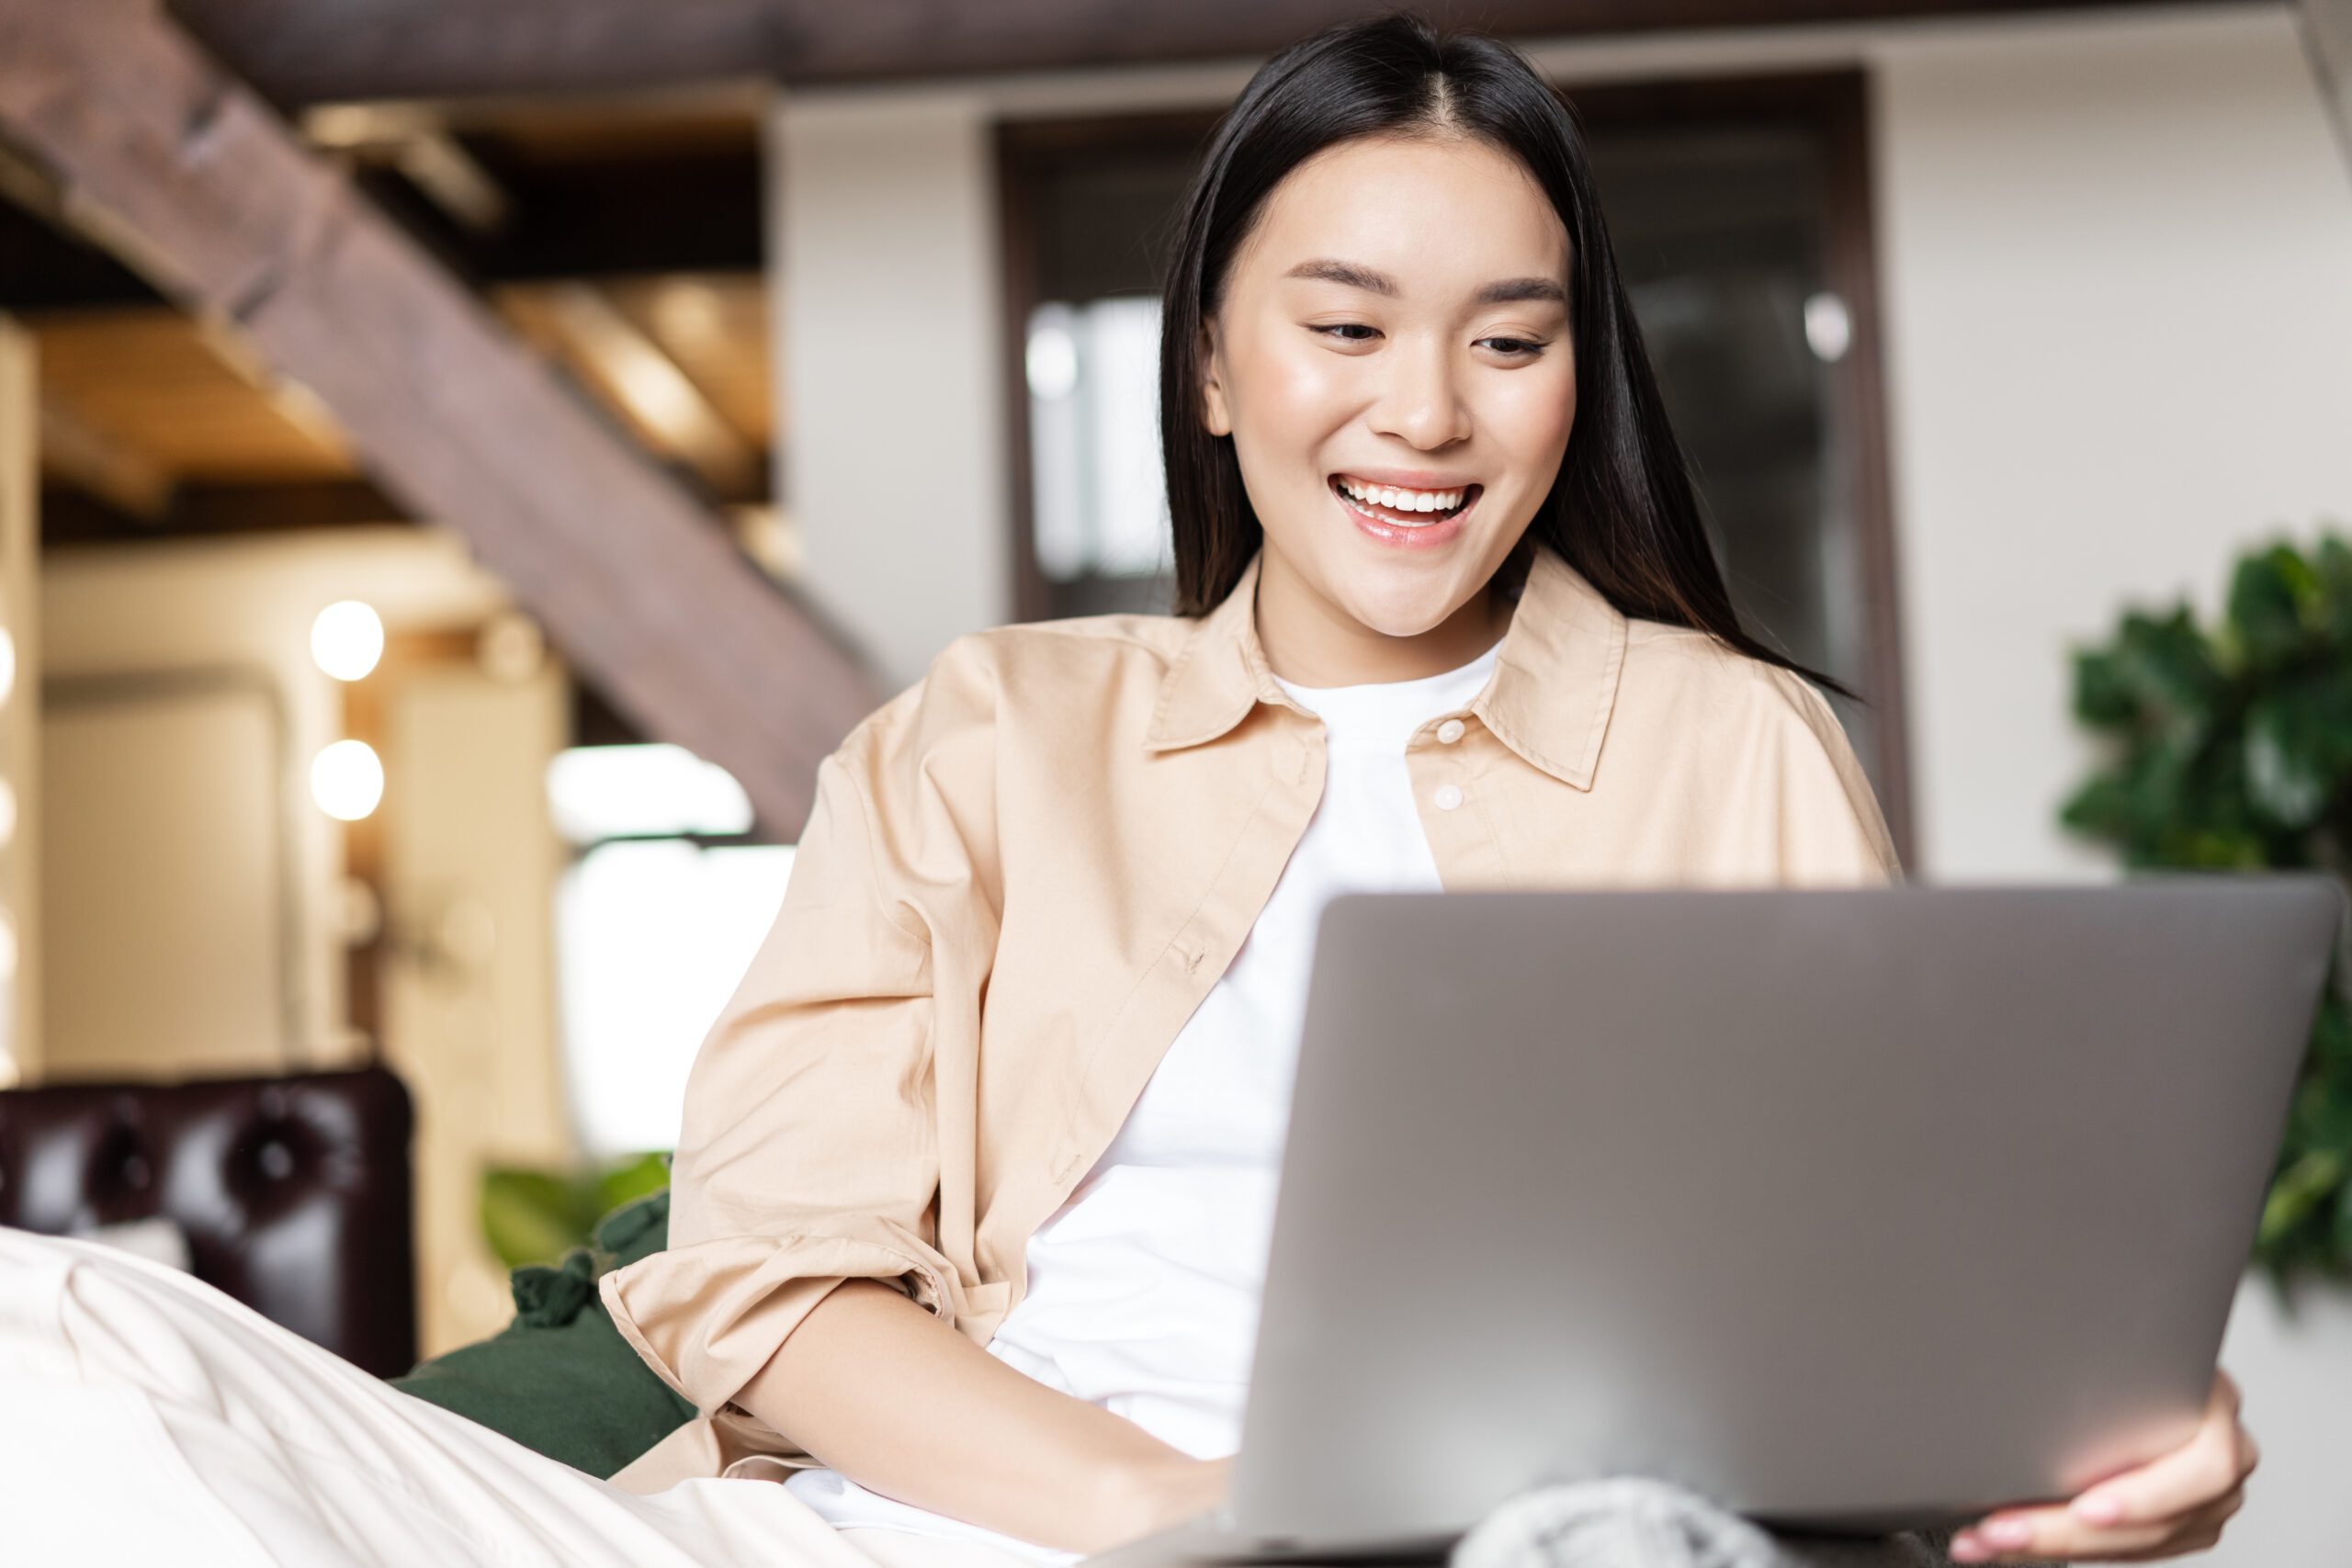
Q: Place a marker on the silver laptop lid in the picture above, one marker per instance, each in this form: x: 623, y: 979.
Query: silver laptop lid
x: 1855, y: 1209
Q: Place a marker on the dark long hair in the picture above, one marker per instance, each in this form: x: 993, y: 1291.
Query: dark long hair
x: 1622, y: 511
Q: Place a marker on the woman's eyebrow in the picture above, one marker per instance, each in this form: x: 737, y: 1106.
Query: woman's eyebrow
x: 1512, y: 289
x: 1504, y: 291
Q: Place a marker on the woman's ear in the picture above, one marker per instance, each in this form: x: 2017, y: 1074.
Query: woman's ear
x: 1215, y: 415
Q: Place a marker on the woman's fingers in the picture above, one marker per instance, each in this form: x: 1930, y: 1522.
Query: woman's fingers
x: 2031, y: 1533
x: 2169, y: 1506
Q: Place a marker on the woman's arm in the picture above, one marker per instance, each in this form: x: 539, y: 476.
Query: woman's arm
x: 883, y: 1391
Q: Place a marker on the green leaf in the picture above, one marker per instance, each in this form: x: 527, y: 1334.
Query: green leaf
x: 534, y: 1216
x: 2331, y: 1035
x: 2172, y: 665
x: 2104, y: 696
x: 2332, y: 562
x: 2269, y: 594
x: 538, y: 1217
x: 2158, y: 674
x: 2287, y: 772
x: 632, y: 1180
x: 2297, y: 1193
x: 2100, y: 806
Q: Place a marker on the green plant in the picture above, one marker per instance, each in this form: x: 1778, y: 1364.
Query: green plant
x: 536, y: 1216
x: 2233, y: 749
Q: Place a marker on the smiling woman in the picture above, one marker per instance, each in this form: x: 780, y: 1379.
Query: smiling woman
x: 972, y: 1198
x: 1331, y: 319
x: 1409, y: 367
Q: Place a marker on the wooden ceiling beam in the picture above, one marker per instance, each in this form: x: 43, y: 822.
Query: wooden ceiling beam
x: 642, y: 383
x: 461, y: 424
x: 492, y: 213
x: 307, y: 52
x: 72, y: 513
x: 449, y: 174
x: 44, y: 265
x: 76, y: 451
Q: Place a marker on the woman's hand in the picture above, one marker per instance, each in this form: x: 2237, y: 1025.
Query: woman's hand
x: 2173, y: 1505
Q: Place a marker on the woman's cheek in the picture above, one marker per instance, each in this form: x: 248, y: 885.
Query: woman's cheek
x: 1304, y: 389
x: 1534, y: 417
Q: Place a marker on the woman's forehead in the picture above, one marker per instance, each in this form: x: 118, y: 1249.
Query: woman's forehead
x: 1440, y: 218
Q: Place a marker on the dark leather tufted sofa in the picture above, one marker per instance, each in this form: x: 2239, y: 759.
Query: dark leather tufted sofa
x: 293, y: 1192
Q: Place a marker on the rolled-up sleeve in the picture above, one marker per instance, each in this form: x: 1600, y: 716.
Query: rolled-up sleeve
x: 809, y: 1151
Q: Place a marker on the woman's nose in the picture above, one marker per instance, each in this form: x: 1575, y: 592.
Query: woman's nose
x: 1422, y: 402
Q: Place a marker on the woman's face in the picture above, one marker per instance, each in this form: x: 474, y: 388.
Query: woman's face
x: 1397, y: 320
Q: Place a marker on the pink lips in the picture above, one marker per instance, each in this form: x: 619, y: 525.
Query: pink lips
x: 1402, y: 536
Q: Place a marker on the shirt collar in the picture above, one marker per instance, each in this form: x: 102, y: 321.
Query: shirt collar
x: 1548, y: 700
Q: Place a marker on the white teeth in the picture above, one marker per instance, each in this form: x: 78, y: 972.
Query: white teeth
x: 1403, y: 500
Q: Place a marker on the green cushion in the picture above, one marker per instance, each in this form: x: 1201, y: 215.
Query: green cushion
x: 559, y: 1379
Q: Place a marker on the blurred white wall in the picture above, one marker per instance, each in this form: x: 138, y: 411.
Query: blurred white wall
x: 2116, y: 248
x: 890, y: 360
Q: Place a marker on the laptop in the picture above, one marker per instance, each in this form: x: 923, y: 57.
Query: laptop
x: 1855, y: 1210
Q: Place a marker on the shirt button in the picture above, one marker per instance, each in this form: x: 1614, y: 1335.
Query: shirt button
x: 1448, y: 797
x: 1450, y: 731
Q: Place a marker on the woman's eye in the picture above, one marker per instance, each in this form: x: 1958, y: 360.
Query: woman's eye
x: 1356, y: 331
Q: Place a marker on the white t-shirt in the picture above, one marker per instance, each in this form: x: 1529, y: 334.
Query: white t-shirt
x: 1144, y: 1285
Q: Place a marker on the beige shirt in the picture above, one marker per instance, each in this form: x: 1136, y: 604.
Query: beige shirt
x: 1022, y: 874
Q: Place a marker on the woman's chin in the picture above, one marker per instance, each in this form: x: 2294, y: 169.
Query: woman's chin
x: 1419, y: 609
x: 1408, y: 598
x: 1397, y: 593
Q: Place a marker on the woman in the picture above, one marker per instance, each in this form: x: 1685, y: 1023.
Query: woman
x: 975, y: 1181
x: 990, y: 1129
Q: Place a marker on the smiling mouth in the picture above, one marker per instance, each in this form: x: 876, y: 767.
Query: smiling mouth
x: 1404, y: 508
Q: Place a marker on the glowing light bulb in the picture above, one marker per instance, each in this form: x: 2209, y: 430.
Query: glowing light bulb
x: 347, y: 639
x: 347, y: 780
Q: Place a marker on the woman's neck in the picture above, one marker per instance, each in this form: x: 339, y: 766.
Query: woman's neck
x: 1311, y: 641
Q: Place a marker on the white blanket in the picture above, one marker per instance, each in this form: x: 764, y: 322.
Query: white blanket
x: 147, y: 1418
